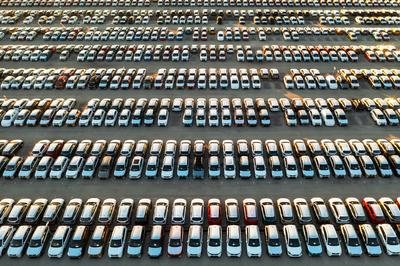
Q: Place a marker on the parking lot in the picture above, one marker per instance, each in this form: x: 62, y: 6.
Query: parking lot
x: 360, y: 124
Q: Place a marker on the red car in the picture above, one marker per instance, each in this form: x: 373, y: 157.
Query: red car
x: 250, y: 211
x: 398, y: 201
x: 374, y: 211
x: 214, y: 212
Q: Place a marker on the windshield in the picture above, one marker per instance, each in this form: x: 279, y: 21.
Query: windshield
x: 234, y: 242
x: 254, y: 242
x: 155, y: 243
x: 372, y: 242
x: 96, y: 243
x: 214, y: 242
x: 116, y: 243
x: 35, y: 243
x: 353, y: 242
x: 56, y: 243
x: 273, y: 242
x: 194, y: 242
x: 16, y: 243
x: 175, y: 242
x: 392, y: 241
x: 294, y: 243
x: 135, y: 243
x: 333, y: 242
x: 75, y: 244
x: 313, y: 241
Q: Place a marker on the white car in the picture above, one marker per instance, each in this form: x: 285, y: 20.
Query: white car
x: 59, y: 167
x: 6, y: 234
x: 59, y: 241
x: 136, y: 168
x: 117, y: 242
x: 19, y: 241
x: 229, y: 167
x: 331, y: 240
x: 163, y: 118
x: 9, y: 117
x: 253, y: 241
x: 233, y: 241
x: 351, y: 240
x: 214, y: 241
x: 327, y: 117
x: 194, y: 241
x: 98, y: 118
x: 370, y: 239
x: 136, y: 241
x: 389, y: 239
x: 75, y: 166
x: 292, y: 241
x: 291, y: 169
x: 167, y: 168
x: 110, y: 118
x: 378, y: 116
x: 273, y: 242
x: 59, y: 118
x: 175, y: 241
x: 260, y: 170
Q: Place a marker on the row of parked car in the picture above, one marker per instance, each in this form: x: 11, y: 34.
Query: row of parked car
x: 181, y: 104
x: 205, y: 3
x: 76, y: 241
x: 342, y: 79
x: 198, y: 159
x: 182, y: 78
x: 199, y: 112
x: 213, y: 212
x: 223, y: 112
x: 165, y: 33
x: 247, y: 53
x: 132, y: 78
x: 188, y: 16
x: 69, y: 3
x: 283, y: 3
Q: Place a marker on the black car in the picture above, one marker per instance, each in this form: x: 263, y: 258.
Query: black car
x: 105, y: 168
